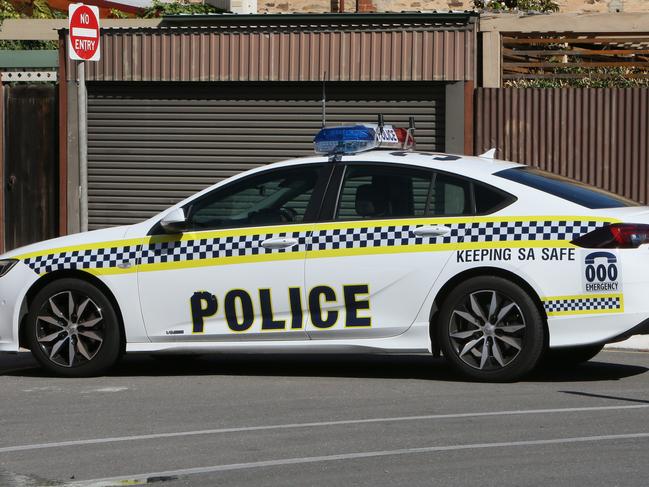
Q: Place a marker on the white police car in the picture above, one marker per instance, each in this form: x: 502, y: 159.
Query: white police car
x: 366, y: 247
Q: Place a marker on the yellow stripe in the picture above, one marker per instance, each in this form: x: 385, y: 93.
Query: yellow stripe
x: 89, y: 246
x: 402, y: 249
x: 109, y: 271
x: 190, y: 264
x: 585, y: 312
x: 439, y: 220
x: 545, y: 218
x: 243, y: 259
x: 154, y: 239
x: 329, y: 253
x: 150, y: 240
x: 232, y: 232
x: 576, y: 297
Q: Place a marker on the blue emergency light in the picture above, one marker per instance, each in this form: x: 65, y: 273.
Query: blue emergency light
x: 345, y: 140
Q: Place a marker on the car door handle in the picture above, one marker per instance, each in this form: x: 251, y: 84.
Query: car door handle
x: 276, y: 243
x: 431, y: 231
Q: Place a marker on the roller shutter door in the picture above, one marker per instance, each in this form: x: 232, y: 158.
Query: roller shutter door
x: 150, y: 145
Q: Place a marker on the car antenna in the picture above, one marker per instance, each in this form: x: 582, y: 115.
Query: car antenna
x: 324, y: 99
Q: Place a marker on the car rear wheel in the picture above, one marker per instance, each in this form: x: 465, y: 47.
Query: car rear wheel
x: 491, y: 330
x: 73, y: 330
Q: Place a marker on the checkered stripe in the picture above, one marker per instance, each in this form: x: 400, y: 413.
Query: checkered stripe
x: 326, y: 239
x: 349, y: 238
x: 83, y: 259
x: 528, y: 230
x: 213, y: 248
x: 583, y: 304
x: 352, y: 238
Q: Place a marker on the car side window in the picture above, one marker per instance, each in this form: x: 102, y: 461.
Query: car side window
x: 274, y: 198
x: 373, y: 192
x: 488, y: 199
x: 451, y: 196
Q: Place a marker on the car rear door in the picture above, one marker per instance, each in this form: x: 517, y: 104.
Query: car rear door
x: 392, y: 230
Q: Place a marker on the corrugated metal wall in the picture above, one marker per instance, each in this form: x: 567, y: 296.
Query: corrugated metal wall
x: 401, y: 53
x: 598, y: 136
x: 150, y: 145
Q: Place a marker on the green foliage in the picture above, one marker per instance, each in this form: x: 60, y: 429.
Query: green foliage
x: 38, y: 9
x: 118, y: 14
x: 586, y: 78
x: 161, y: 9
x: 28, y: 45
x: 7, y: 10
x: 519, y: 5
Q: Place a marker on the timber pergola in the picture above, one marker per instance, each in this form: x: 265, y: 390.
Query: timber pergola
x: 493, y: 27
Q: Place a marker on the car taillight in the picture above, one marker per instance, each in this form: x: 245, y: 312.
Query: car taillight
x: 615, y: 236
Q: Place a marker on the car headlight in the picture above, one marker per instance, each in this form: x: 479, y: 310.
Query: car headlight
x: 6, y: 265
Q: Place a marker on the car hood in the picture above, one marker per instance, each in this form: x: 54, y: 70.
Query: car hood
x: 95, y: 236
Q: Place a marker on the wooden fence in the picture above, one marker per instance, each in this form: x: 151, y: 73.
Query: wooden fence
x: 598, y: 136
x: 30, y: 164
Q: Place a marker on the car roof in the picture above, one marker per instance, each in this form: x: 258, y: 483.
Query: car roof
x: 455, y: 163
x: 475, y: 166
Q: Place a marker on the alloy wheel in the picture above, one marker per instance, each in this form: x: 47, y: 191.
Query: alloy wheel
x: 487, y: 330
x: 70, y: 328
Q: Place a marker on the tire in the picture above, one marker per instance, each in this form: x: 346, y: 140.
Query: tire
x: 561, y: 358
x: 74, y: 341
x: 490, y: 329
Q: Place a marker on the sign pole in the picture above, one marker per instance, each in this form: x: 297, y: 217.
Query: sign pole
x: 83, y: 45
x: 83, y: 145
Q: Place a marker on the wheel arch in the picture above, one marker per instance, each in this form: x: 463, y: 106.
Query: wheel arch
x: 477, y: 272
x: 69, y: 274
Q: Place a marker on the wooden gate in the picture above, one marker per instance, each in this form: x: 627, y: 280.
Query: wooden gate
x: 30, y: 169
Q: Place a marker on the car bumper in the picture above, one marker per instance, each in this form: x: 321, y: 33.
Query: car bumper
x: 13, y: 288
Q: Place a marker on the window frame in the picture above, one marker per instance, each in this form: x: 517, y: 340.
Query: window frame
x: 333, y: 194
x: 323, y: 175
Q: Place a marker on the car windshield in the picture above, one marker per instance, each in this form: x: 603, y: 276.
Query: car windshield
x: 565, y: 188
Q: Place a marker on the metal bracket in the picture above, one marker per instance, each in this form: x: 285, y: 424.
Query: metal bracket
x: 31, y: 76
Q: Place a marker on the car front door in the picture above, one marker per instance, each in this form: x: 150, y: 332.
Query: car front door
x: 394, y: 229
x: 237, y: 273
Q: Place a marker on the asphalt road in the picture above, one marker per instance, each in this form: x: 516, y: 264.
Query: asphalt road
x: 323, y: 420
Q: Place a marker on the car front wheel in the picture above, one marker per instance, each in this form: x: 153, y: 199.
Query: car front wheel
x: 491, y: 330
x: 72, y: 329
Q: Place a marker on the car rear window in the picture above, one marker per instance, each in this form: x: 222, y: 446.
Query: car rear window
x: 488, y: 200
x: 565, y: 188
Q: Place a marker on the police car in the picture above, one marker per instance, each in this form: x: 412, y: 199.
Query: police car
x: 369, y: 246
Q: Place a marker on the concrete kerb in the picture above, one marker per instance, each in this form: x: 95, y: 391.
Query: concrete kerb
x: 638, y: 343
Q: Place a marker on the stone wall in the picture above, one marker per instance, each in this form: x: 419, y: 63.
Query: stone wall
x: 286, y: 6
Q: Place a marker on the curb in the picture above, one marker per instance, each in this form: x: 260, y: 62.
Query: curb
x: 638, y: 343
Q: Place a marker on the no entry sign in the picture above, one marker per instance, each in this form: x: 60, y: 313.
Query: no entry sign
x: 83, y: 22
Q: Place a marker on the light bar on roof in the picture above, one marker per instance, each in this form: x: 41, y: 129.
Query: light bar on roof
x: 345, y: 140
x: 351, y: 139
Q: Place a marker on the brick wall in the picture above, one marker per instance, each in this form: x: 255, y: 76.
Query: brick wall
x: 285, y: 6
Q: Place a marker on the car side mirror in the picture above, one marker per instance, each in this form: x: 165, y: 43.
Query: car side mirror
x: 174, y: 221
